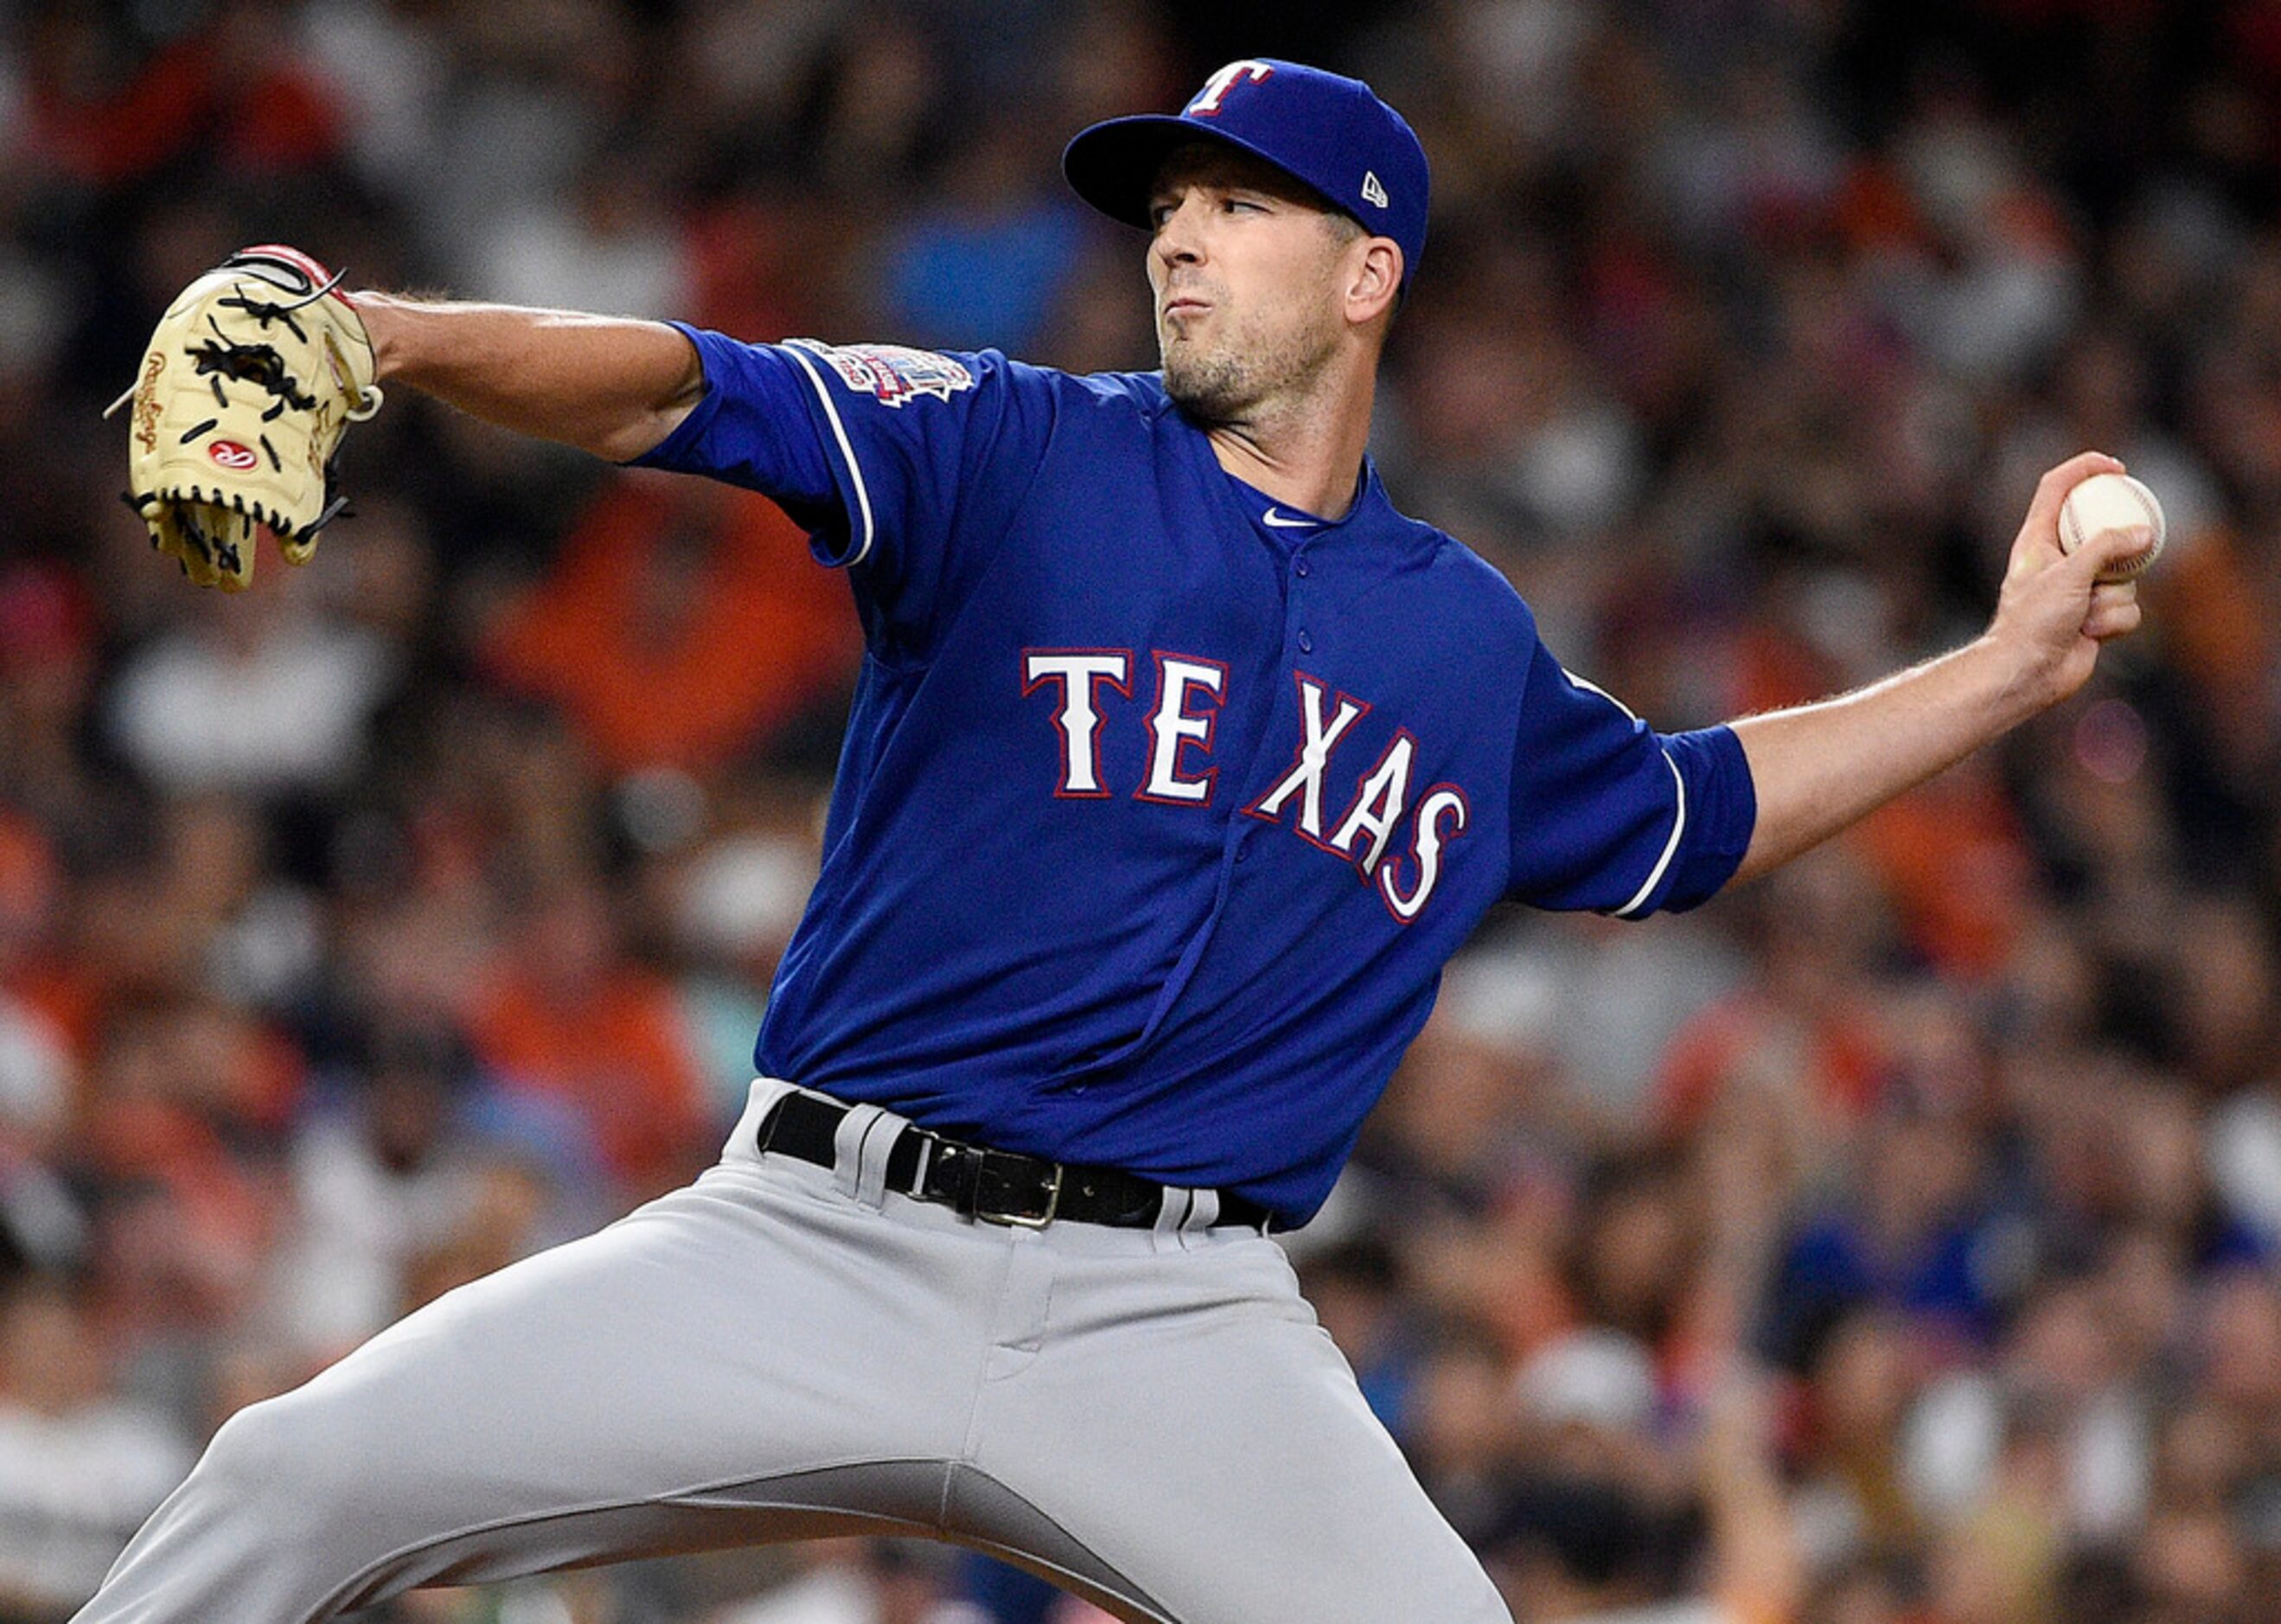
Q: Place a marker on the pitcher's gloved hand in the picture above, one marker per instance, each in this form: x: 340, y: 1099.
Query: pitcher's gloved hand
x: 247, y: 386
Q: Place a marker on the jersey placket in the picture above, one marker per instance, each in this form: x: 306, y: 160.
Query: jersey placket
x: 1298, y: 644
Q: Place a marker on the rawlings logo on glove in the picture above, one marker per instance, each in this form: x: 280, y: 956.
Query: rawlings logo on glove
x: 248, y: 384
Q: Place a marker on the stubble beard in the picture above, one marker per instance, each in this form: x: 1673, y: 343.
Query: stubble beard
x: 1213, y: 388
x: 1229, y: 382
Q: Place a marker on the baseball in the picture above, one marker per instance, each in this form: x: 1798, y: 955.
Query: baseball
x: 2113, y: 502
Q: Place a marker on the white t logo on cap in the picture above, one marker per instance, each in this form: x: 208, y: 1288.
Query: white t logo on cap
x: 1207, y: 103
x: 1372, y: 192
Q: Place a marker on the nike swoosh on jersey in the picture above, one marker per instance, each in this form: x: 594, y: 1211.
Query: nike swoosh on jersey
x: 1271, y: 517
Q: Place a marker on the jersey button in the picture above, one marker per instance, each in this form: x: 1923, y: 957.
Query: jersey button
x: 1306, y: 644
x: 1299, y: 566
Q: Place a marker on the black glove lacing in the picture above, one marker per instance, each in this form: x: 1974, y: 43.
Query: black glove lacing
x: 253, y: 363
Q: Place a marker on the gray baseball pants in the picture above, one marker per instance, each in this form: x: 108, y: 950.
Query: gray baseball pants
x: 1152, y: 1420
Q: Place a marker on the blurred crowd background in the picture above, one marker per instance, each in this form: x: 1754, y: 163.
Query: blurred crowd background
x: 1895, y: 1241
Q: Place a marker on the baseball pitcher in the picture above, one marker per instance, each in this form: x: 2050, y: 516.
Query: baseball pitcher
x: 1181, y: 763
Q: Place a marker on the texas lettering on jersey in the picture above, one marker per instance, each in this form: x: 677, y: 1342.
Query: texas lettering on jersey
x: 1189, y: 691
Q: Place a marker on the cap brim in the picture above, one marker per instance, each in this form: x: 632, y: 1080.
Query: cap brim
x: 1113, y: 164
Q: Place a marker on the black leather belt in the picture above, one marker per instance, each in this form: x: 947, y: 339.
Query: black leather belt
x: 999, y: 1187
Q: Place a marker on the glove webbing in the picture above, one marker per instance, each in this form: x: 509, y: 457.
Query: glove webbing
x: 221, y: 356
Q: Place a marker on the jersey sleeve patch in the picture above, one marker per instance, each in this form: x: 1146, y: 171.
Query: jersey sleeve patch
x: 891, y: 374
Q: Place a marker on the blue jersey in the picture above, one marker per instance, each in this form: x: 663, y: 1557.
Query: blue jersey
x: 1162, y: 804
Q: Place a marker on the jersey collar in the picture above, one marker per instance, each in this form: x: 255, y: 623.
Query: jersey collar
x: 1373, y: 517
x: 1289, y: 526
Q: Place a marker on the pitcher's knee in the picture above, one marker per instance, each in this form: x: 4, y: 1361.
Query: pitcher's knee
x: 274, y: 1464
x: 271, y: 1525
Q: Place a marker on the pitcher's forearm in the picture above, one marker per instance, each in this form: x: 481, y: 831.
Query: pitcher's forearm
x: 1820, y: 768
x: 607, y: 385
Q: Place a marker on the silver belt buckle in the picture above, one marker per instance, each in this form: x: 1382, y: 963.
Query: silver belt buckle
x: 1017, y: 1220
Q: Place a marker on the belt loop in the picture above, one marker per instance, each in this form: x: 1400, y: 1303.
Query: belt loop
x: 743, y: 1139
x: 860, y: 1144
x: 1173, y: 1211
x: 1204, y: 1213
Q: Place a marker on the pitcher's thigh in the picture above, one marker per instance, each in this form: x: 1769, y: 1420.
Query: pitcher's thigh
x: 721, y: 1333
x: 732, y: 1349
x: 1222, y: 1463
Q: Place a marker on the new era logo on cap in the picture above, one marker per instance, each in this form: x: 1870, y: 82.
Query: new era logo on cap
x: 1321, y: 129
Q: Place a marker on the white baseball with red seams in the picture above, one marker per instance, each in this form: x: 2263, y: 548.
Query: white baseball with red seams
x: 2108, y: 502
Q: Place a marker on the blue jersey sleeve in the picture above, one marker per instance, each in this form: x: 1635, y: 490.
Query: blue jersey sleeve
x: 887, y: 455
x: 1608, y: 813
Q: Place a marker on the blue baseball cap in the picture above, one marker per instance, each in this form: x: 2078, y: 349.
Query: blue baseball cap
x: 1328, y: 131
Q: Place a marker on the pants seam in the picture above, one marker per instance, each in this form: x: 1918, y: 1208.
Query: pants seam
x: 994, y: 1548
x: 339, y: 1595
x: 1125, y: 1589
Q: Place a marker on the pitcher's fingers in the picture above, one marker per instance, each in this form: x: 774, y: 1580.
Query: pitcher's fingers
x: 2037, y: 547
x: 2052, y: 489
x: 2109, y: 548
x: 2111, y: 620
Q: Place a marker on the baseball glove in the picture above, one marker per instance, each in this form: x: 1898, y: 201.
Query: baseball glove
x: 248, y: 382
